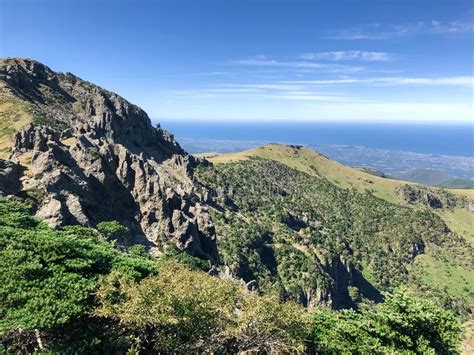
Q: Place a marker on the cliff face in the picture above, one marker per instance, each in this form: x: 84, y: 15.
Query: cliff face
x: 90, y: 156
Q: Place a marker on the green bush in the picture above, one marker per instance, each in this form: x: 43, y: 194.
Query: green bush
x: 403, y: 323
x: 184, y: 311
x: 48, y: 278
x: 112, y: 229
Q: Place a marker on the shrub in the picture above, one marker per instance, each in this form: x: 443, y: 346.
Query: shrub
x: 48, y: 279
x: 403, y: 323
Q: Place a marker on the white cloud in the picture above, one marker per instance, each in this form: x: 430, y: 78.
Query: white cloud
x: 315, y: 100
x: 392, y: 112
x: 304, y: 90
x: 269, y: 86
x: 262, y: 61
x: 309, y: 96
x: 262, y: 91
x: 213, y: 92
x: 378, y: 31
x: 452, y: 80
x: 452, y: 27
x: 214, y: 73
x: 313, y: 110
x: 349, y: 55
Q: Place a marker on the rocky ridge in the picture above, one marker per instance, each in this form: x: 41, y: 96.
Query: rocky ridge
x: 90, y: 156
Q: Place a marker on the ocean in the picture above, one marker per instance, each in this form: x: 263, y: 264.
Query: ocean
x: 443, y: 139
x: 390, y: 147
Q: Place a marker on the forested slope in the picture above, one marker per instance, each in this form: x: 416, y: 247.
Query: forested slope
x: 325, y: 233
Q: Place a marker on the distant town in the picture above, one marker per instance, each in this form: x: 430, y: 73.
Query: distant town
x: 390, y: 162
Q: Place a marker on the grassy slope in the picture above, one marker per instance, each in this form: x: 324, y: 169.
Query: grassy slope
x: 312, y: 163
x: 14, y: 115
x: 436, y: 270
x: 459, y: 220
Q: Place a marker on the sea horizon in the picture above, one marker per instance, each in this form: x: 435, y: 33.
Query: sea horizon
x: 434, y: 138
x: 391, y: 148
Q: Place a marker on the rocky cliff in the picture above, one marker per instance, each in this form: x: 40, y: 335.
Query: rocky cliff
x: 86, y: 155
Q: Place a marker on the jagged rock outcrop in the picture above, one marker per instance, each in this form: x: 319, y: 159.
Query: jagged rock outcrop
x: 94, y: 157
x: 10, y: 174
x: 429, y: 197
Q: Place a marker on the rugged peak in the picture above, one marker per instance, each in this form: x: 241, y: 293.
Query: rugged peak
x: 27, y: 64
x: 68, y: 103
x: 23, y: 75
x: 90, y: 155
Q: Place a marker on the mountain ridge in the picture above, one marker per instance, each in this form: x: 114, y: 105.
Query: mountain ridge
x: 87, y: 150
x: 434, y: 177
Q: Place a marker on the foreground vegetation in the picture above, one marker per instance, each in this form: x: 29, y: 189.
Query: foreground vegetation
x: 71, y: 291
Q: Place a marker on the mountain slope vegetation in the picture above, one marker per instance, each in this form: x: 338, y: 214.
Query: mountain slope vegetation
x: 304, y: 204
x: 458, y: 216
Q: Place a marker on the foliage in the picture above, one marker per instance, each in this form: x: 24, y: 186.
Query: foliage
x: 112, y: 229
x: 192, y: 262
x: 178, y: 310
x: 402, y: 323
x: 264, y: 325
x: 188, y: 311
x: 47, y: 277
x: 138, y: 250
x: 71, y: 291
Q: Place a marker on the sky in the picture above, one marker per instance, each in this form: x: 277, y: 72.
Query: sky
x: 260, y: 60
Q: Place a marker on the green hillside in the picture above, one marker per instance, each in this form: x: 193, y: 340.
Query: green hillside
x: 312, y: 213
x: 458, y: 184
x: 435, y: 178
x: 458, y: 218
x: 425, y: 176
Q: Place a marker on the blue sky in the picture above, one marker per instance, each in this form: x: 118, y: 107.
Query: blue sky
x: 403, y: 60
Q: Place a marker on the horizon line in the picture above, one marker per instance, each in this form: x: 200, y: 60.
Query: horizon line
x: 224, y: 121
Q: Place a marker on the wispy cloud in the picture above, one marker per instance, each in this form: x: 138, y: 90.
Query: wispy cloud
x: 266, y: 86
x: 310, y: 96
x: 349, y: 56
x: 451, y: 80
x: 378, y: 31
x: 212, y: 92
x: 307, y: 90
x: 215, y: 73
x: 274, y: 91
x: 316, y: 99
x: 391, y: 111
x: 262, y: 61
